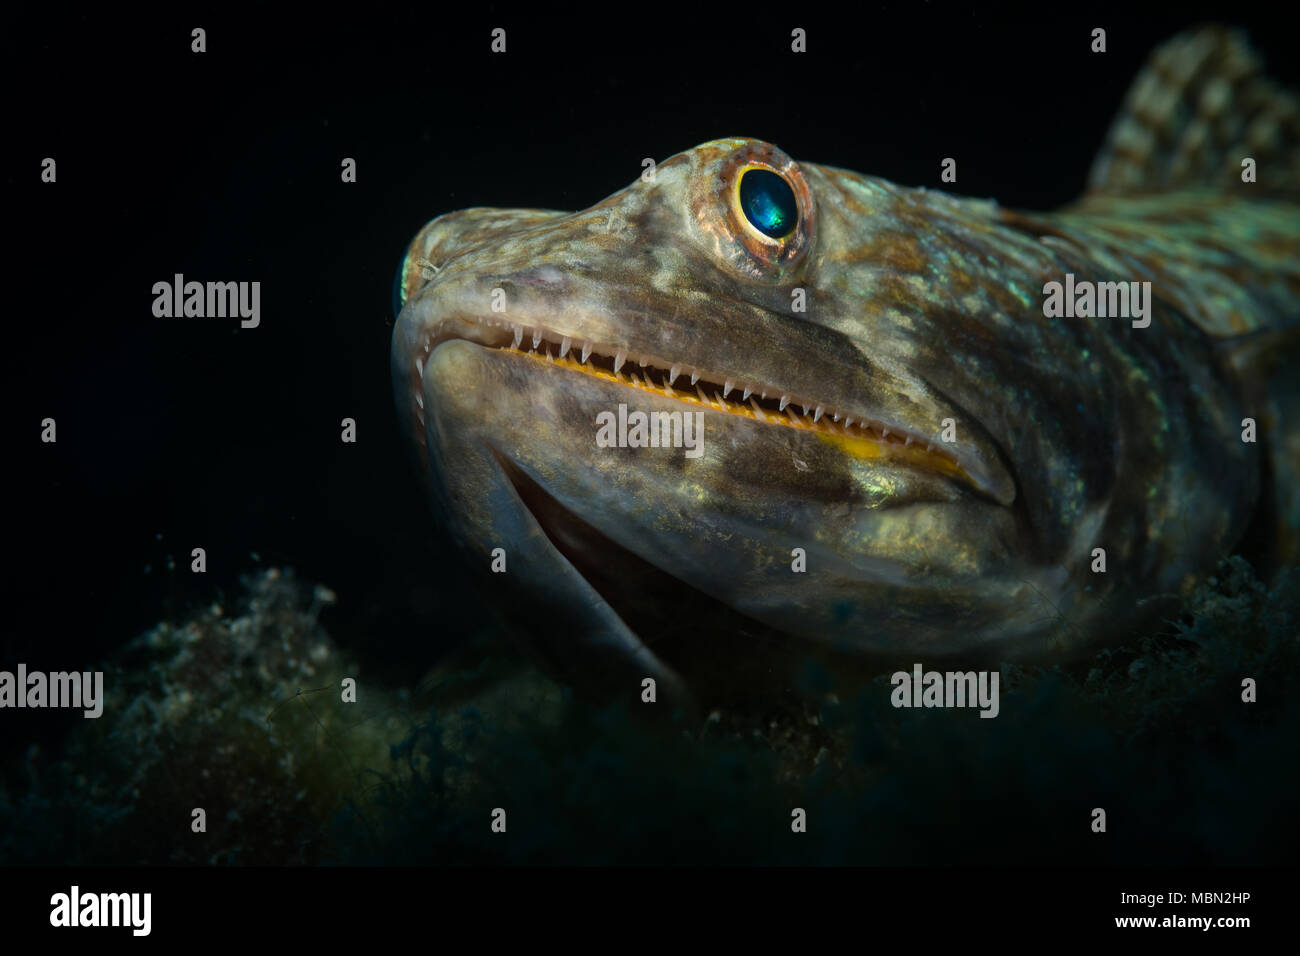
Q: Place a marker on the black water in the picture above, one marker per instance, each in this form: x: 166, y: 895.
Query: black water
x: 175, y: 434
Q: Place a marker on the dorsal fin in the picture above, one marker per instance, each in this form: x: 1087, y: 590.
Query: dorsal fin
x: 1199, y: 107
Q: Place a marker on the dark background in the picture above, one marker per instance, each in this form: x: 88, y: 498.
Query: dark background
x: 225, y: 166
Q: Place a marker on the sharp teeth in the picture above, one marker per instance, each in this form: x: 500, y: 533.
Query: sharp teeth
x: 793, y: 417
x: 835, y: 417
x: 718, y: 400
x: 673, y: 373
x: 726, y: 388
x: 586, y: 352
x: 817, y: 415
x: 907, y: 441
x: 785, y: 400
x: 619, y: 359
x: 762, y: 395
x: 641, y: 362
x: 537, y: 337
x: 745, y: 398
x: 564, y: 346
x: 758, y: 412
x: 884, y: 432
x: 848, y: 423
x: 519, y: 336
x: 419, y: 399
x: 419, y: 366
x: 700, y: 392
x: 695, y: 376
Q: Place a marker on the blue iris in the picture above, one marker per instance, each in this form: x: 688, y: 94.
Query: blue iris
x: 769, y: 203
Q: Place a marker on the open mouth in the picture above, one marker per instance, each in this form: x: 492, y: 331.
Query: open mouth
x: 857, y: 435
x: 739, y: 652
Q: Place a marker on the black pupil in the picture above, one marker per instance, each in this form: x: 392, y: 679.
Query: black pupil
x: 769, y: 203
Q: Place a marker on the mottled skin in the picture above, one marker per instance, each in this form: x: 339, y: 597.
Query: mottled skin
x: 1075, y: 433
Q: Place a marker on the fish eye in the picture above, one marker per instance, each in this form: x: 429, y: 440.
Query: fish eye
x: 768, y: 203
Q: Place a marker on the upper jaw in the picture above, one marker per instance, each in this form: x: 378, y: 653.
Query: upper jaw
x: 819, y: 398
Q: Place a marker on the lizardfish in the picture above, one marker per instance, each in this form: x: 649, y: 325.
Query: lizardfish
x: 923, y: 430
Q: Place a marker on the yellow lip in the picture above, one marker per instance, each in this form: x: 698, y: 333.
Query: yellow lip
x: 852, y: 441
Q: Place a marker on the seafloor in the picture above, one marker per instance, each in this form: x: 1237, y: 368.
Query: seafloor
x: 238, y: 711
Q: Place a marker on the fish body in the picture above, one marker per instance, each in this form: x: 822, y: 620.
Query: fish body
x: 906, y: 450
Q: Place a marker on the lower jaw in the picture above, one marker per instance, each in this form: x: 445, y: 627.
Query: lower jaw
x: 725, y: 657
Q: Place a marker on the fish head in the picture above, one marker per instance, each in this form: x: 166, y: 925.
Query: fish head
x: 820, y: 485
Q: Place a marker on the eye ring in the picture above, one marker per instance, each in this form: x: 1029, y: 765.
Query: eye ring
x: 773, y: 258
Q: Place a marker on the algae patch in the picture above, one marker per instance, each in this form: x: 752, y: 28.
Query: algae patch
x: 238, y: 714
